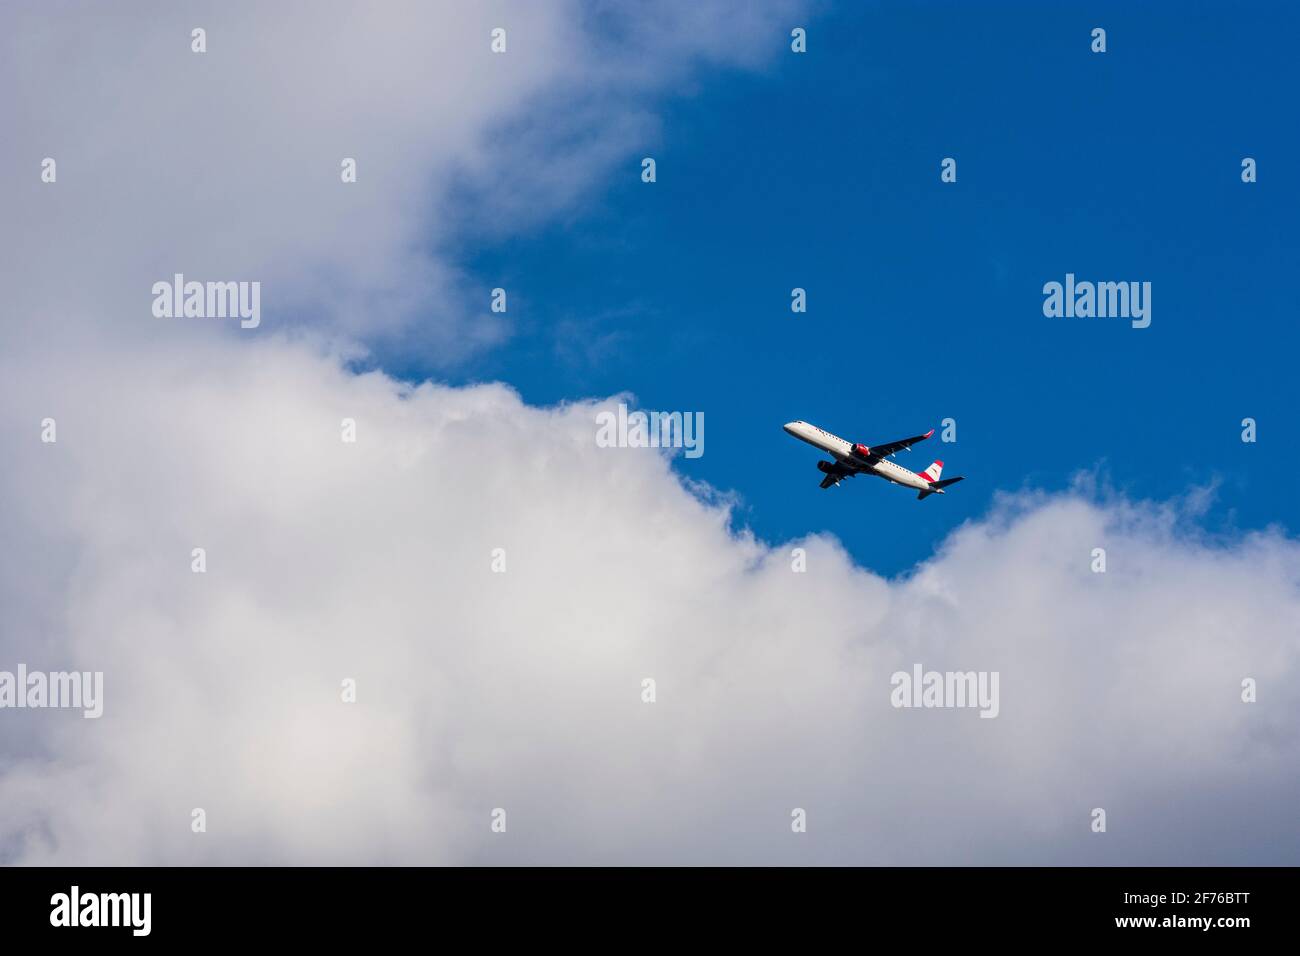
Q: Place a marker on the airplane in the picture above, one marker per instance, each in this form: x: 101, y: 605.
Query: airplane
x: 851, y: 460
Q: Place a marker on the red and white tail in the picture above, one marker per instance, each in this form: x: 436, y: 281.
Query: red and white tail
x: 933, y: 472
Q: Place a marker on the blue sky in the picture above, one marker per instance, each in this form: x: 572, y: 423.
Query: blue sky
x: 925, y: 301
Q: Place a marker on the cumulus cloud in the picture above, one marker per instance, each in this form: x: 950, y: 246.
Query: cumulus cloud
x: 522, y: 690
x: 226, y: 164
x: 372, y: 561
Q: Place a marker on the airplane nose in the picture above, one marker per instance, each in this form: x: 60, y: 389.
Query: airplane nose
x: 788, y: 427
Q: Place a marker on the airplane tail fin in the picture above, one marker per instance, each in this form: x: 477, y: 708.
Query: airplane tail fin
x: 932, y: 473
x: 936, y: 487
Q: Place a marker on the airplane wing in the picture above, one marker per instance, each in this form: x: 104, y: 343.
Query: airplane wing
x: 890, y: 448
x: 835, y: 473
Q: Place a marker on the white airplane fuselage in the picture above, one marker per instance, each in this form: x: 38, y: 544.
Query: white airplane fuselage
x: 843, y: 452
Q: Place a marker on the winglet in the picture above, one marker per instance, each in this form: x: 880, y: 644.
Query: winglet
x: 928, y: 434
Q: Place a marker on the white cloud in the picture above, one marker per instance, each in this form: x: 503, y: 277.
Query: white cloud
x: 372, y: 561
x: 226, y: 164
x: 522, y: 690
